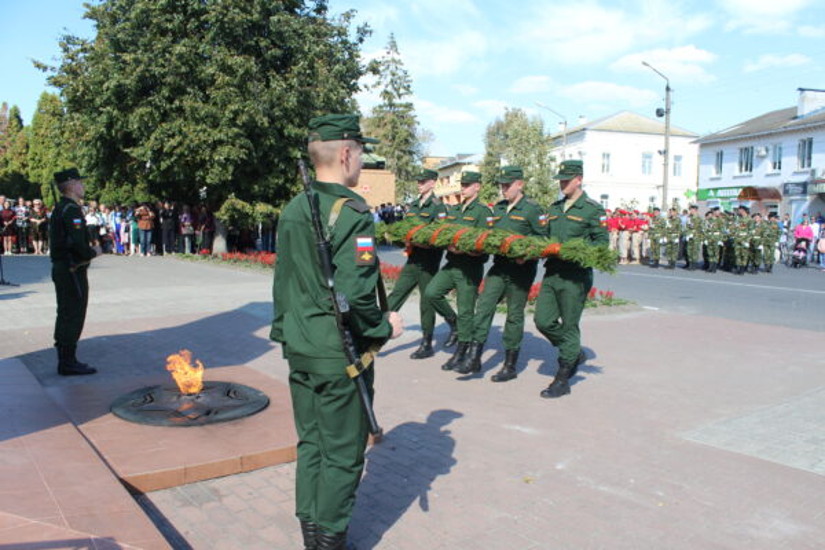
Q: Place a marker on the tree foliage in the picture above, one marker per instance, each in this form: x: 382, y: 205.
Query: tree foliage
x: 48, y: 145
x: 176, y: 97
x: 520, y: 140
x: 14, y: 146
x: 394, y: 122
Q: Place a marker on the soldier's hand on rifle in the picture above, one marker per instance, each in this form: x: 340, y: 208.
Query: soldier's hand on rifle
x: 397, y: 323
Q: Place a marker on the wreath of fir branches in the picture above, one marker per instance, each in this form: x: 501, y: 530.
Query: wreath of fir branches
x: 473, y: 240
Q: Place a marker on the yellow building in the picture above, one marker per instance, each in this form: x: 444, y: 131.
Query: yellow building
x: 448, y: 186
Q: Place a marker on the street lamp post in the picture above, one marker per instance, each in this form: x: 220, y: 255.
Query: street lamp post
x: 563, y: 127
x: 667, y: 131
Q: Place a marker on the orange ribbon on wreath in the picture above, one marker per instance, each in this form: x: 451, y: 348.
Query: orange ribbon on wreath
x: 552, y: 249
x: 436, y: 232
x: 409, y: 236
x: 458, y: 235
x: 505, y: 245
x: 480, y: 241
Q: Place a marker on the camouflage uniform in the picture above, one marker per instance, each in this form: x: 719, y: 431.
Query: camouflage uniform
x: 714, y: 237
x: 654, y: 234
x: 671, y: 231
x: 693, y: 241
x: 741, y: 234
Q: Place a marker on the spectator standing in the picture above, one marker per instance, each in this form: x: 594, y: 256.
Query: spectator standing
x: 187, y: 229
x: 22, y: 222
x: 168, y: 227
x: 40, y: 224
x: 146, y: 222
x: 207, y: 225
x: 8, y: 227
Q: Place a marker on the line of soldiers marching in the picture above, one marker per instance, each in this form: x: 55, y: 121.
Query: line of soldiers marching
x: 736, y: 242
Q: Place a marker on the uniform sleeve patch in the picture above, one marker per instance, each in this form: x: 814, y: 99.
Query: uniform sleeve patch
x: 442, y: 215
x: 77, y: 222
x: 364, y: 251
x: 543, y: 219
x: 490, y: 221
x: 603, y: 221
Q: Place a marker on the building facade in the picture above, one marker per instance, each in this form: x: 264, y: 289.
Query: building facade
x: 624, y: 161
x: 772, y: 163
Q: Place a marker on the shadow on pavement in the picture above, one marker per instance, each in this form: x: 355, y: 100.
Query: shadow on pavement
x: 400, y: 472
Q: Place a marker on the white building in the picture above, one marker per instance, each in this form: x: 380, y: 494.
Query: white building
x: 772, y: 163
x: 623, y: 160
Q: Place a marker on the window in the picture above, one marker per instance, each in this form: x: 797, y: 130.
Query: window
x: 803, y: 153
x: 745, y: 160
x: 677, y: 166
x: 717, y: 164
x: 776, y: 157
x: 647, y: 163
x: 605, y: 163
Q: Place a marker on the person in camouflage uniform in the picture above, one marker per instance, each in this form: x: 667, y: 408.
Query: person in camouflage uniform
x: 714, y: 237
x: 671, y: 231
x: 741, y: 235
x: 757, y: 243
x: 770, y: 240
x: 654, y: 236
x: 693, y: 238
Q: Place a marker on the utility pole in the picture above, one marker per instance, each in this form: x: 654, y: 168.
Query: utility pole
x: 666, y: 114
x: 563, y: 127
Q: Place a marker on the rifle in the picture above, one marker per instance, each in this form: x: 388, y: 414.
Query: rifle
x: 340, y: 306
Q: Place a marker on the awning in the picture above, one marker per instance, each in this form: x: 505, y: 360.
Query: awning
x: 752, y: 193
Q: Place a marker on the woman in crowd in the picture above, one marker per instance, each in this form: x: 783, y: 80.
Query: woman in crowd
x: 21, y: 220
x: 146, y: 222
x: 187, y: 229
x: 7, y: 227
x: 40, y: 226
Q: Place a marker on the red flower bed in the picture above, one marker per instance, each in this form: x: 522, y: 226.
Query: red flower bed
x: 263, y: 258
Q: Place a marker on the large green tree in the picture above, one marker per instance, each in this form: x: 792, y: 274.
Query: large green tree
x: 14, y: 146
x: 49, y: 145
x: 394, y: 122
x: 518, y: 139
x: 181, y: 97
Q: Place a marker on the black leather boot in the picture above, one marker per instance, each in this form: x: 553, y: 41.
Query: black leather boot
x: 560, y: 385
x: 472, y: 359
x: 453, y: 336
x: 580, y: 360
x: 67, y: 365
x: 508, y: 371
x: 425, y: 349
x: 460, y: 352
x: 331, y: 541
x: 310, y: 532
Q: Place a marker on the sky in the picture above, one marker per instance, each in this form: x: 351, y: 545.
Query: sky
x: 727, y: 61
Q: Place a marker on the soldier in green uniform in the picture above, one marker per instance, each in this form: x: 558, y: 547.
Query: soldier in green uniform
x: 771, y: 233
x: 671, y: 232
x: 463, y: 272
x: 422, y: 265
x: 757, y: 244
x: 714, y: 236
x: 331, y: 424
x: 565, y: 285
x: 654, y: 236
x: 741, y: 233
x: 693, y: 238
x: 70, y: 254
x: 507, y: 277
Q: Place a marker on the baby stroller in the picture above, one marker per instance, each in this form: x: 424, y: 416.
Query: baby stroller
x: 799, y: 256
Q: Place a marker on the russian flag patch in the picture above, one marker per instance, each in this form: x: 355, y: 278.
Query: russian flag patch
x: 364, y: 251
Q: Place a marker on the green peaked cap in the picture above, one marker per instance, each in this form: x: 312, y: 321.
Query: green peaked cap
x: 426, y: 174
x: 509, y: 174
x: 336, y: 128
x: 569, y: 169
x: 67, y: 175
x: 470, y: 177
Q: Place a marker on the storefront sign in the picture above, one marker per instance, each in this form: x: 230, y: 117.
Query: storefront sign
x: 818, y: 187
x: 718, y: 193
x: 794, y: 189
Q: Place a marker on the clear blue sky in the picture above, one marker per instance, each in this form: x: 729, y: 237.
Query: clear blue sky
x: 727, y: 60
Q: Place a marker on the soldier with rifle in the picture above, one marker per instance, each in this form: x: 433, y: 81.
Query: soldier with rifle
x: 327, y: 317
x: 71, y: 255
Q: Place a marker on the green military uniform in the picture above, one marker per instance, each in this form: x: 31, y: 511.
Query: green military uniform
x: 671, y: 232
x: 757, y: 245
x: 565, y: 285
x: 70, y: 254
x: 508, y: 278
x: 742, y: 231
x: 462, y: 272
x: 331, y: 425
x: 770, y: 236
x: 654, y: 235
x: 422, y: 265
x: 693, y: 241
x: 714, y: 237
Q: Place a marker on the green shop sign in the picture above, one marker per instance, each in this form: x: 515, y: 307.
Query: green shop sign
x: 718, y: 193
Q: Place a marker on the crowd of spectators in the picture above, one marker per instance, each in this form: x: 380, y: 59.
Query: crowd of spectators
x: 141, y: 229
x: 389, y: 213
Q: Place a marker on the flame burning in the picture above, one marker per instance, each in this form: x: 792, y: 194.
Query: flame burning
x: 188, y: 378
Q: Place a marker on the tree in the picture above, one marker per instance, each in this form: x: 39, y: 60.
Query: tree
x: 13, y: 149
x: 393, y: 121
x: 174, y: 97
x: 48, y: 150
x: 520, y: 140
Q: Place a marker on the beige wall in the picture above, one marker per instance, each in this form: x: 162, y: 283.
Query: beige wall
x: 448, y: 186
x: 376, y: 186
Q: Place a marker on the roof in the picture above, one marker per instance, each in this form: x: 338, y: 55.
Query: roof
x: 460, y: 159
x: 781, y: 120
x: 630, y: 123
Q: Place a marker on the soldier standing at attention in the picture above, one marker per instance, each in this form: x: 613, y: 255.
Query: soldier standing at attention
x: 463, y: 272
x: 331, y: 424
x: 693, y: 238
x: 672, y: 230
x: 422, y: 265
x: 757, y: 244
x: 655, y: 236
x: 508, y: 277
x: 771, y: 232
x: 565, y: 285
x: 741, y: 240
x: 70, y: 254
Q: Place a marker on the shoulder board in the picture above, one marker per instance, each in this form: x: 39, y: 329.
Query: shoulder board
x: 358, y: 206
x: 593, y: 202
